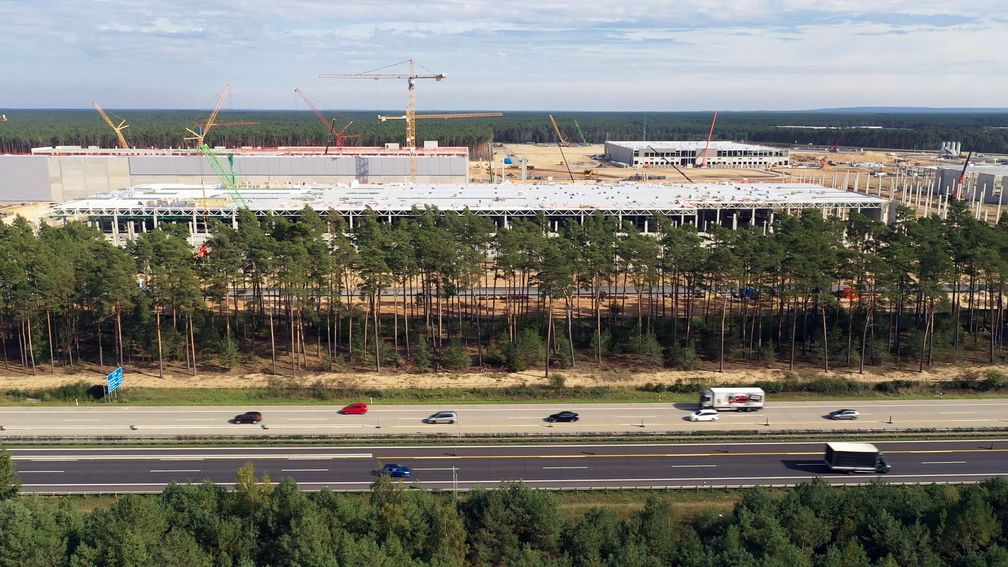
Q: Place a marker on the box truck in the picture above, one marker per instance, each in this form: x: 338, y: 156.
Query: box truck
x: 855, y: 457
x: 740, y: 399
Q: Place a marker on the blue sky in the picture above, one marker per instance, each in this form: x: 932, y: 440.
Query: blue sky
x: 507, y: 55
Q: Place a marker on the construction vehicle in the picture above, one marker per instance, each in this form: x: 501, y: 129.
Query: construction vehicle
x: 118, y: 129
x: 227, y: 176
x: 339, y: 136
x: 561, y: 139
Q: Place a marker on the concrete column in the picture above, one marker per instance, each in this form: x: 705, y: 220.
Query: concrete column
x: 734, y: 221
x: 155, y: 220
x: 115, y: 228
x: 234, y: 219
x: 351, y: 221
x: 717, y: 216
x: 752, y: 220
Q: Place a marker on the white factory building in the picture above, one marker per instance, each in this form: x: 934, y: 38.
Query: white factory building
x: 690, y: 154
x: 63, y: 173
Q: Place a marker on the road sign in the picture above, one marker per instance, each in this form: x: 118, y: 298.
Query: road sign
x: 115, y: 379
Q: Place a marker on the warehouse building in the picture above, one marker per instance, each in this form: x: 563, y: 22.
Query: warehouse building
x: 70, y: 172
x: 690, y: 154
x: 125, y: 214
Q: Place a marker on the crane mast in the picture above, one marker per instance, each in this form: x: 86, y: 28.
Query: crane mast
x: 203, y: 129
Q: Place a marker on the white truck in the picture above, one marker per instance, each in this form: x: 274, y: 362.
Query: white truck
x: 740, y: 399
x: 855, y: 457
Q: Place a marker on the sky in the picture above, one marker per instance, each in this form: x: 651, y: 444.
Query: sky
x: 645, y: 55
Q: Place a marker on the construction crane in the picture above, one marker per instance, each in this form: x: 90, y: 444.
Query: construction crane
x: 226, y: 176
x: 203, y: 128
x: 580, y: 133
x: 340, y: 136
x: 710, y: 133
x: 410, y: 78
x: 116, y: 128
x: 561, y: 140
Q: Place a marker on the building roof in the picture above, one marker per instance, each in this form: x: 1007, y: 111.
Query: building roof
x: 252, y: 151
x: 484, y: 199
x: 691, y: 145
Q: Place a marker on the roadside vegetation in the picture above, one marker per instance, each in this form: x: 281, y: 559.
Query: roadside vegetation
x: 265, y: 523
x: 453, y: 292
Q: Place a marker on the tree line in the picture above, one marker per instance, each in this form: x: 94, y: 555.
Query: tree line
x: 978, y: 131
x: 454, y: 290
x: 265, y: 523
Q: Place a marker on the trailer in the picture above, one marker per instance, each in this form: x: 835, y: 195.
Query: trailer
x: 855, y: 457
x: 739, y: 399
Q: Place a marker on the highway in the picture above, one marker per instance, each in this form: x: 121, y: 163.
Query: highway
x: 517, y: 419
x: 108, y: 470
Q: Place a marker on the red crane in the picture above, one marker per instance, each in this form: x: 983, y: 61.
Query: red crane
x: 340, y: 135
x: 709, y: 135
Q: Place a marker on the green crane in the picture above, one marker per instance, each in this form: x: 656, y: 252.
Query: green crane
x: 581, y: 133
x: 227, y: 177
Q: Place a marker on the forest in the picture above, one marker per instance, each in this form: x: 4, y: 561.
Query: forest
x: 260, y: 522
x: 452, y: 291
x: 978, y: 131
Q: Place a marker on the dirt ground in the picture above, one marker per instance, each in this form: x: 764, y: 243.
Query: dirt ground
x: 575, y: 377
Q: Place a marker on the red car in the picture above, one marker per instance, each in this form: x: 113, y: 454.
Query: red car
x: 357, y: 408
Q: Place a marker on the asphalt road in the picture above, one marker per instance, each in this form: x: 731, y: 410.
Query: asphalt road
x: 64, y: 471
x: 147, y: 421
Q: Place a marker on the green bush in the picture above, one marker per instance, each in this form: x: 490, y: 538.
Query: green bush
x: 557, y: 381
x: 421, y: 354
x: 227, y: 352
x: 456, y: 357
x: 526, y: 352
x: 684, y: 357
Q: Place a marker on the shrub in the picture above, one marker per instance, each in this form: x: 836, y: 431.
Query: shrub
x: 526, y: 352
x: 456, y: 357
x: 684, y: 358
x: 227, y: 352
x: 557, y: 381
x: 421, y: 354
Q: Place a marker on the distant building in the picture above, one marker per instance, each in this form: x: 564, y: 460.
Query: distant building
x: 63, y: 173
x: 690, y: 154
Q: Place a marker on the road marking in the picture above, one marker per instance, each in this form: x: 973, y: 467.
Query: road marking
x: 173, y: 470
x: 247, y: 456
x: 634, y: 416
x: 54, y: 472
x: 526, y: 417
x: 952, y: 412
x: 196, y: 419
x: 304, y: 470
x: 306, y: 419
x: 691, y: 466
x: 943, y: 462
x: 672, y: 455
x: 437, y: 469
x: 816, y: 463
x: 562, y: 468
x: 88, y: 420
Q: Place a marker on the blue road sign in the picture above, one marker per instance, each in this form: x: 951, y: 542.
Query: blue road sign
x: 115, y: 379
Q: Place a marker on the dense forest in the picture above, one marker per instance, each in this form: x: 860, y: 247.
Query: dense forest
x: 453, y: 290
x: 979, y: 131
x: 263, y: 523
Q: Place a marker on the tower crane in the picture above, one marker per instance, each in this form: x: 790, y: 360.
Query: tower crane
x: 410, y: 79
x: 203, y: 129
x: 709, y: 135
x: 339, y: 136
x: 117, y: 128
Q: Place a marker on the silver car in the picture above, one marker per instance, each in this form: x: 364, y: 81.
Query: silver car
x: 442, y: 417
x: 844, y: 414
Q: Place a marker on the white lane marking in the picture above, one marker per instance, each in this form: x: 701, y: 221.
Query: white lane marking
x: 808, y: 464
x: 952, y: 412
x: 437, y: 468
x: 54, y: 472
x: 173, y: 470
x: 304, y: 470
x: 561, y: 468
x: 691, y: 466
x: 87, y: 420
x: 196, y: 419
x: 943, y: 462
x: 525, y: 417
x: 634, y: 416
x: 306, y: 418
x: 260, y: 456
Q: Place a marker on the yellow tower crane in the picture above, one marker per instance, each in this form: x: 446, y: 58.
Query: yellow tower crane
x: 116, y: 128
x: 202, y: 129
x: 410, y: 78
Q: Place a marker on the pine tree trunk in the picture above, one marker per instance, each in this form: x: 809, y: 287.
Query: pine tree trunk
x: 272, y: 343
x: 31, y: 347
x: 52, y: 355
x: 376, y: 301
x: 825, y: 340
x: 192, y: 344
x: 160, y: 352
x: 724, y: 315
x: 101, y: 353
x: 119, y: 341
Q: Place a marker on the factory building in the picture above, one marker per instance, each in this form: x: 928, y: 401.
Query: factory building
x: 125, y: 214
x: 690, y: 154
x: 70, y: 172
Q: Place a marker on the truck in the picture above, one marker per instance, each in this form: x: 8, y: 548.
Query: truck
x: 855, y: 457
x: 739, y: 399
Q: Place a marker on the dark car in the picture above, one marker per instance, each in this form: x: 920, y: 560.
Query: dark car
x: 358, y: 408
x: 564, y: 416
x: 248, y: 417
x: 844, y: 414
x: 396, y: 471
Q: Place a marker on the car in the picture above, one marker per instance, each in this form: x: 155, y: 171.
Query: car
x: 396, y: 471
x: 357, y: 408
x: 704, y: 415
x: 442, y: 417
x: 844, y: 414
x: 563, y: 416
x: 248, y: 417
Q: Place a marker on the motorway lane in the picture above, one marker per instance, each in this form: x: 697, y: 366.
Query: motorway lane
x: 146, y: 421
x: 100, y: 470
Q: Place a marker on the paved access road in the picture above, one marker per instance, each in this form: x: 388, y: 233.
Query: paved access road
x: 147, y: 421
x: 62, y: 471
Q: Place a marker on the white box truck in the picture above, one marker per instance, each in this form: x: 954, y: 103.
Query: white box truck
x: 855, y: 457
x: 740, y: 399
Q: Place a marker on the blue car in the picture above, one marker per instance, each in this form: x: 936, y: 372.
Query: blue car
x: 396, y: 471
